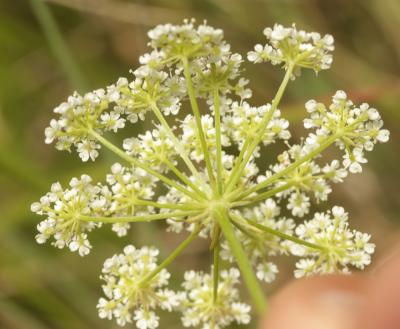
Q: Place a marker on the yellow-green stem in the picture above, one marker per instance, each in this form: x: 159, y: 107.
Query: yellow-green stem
x: 58, y: 45
x: 184, y: 206
x: 185, y: 179
x: 217, y: 111
x: 197, y: 117
x: 178, y: 146
x: 276, y: 232
x: 137, y: 163
x: 134, y: 219
x: 330, y: 140
x: 216, y: 271
x: 239, y: 166
x: 172, y: 256
x: 242, y: 260
x: 262, y: 196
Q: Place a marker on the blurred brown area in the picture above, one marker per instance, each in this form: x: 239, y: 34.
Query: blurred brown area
x: 42, y: 288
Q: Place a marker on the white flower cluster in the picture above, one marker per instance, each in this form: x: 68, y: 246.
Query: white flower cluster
x: 307, y: 179
x: 126, y: 187
x: 65, y: 210
x: 289, y: 46
x: 155, y: 148
x: 189, y: 137
x: 243, y: 120
x: 130, y: 296
x: 173, y: 41
x: 77, y: 116
x: 342, y: 247
x: 200, y: 173
x: 358, y: 128
x: 199, y: 307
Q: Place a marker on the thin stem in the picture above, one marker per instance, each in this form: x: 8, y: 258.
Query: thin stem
x: 171, y: 257
x: 57, y: 44
x: 183, y: 178
x: 217, y: 111
x: 135, y: 162
x: 293, y: 166
x: 239, y: 159
x: 277, y: 233
x: 262, y: 196
x: 216, y: 272
x: 133, y: 219
x: 239, y: 166
x: 242, y: 260
x: 177, y: 144
x: 197, y: 116
x: 244, y: 230
x: 186, y: 206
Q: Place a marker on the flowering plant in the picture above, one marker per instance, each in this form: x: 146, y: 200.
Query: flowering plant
x: 206, y: 164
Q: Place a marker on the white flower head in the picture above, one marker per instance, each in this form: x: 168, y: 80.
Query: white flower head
x: 67, y: 212
x: 340, y: 246
x: 131, y: 292
x: 289, y: 46
x: 199, y: 306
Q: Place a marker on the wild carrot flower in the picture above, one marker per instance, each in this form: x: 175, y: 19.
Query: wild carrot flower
x: 212, y: 185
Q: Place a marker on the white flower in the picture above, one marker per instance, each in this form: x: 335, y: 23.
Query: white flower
x: 121, y: 228
x: 81, y: 244
x: 299, y: 204
x: 146, y: 319
x: 199, y: 306
x: 304, y: 267
x: 88, y: 150
x: 267, y: 272
x: 112, y: 121
x: 106, y: 308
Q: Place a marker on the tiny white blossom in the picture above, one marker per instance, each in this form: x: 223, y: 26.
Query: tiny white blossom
x: 267, y: 272
x: 299, y: 204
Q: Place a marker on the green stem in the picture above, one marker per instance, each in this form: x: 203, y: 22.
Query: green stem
x: 135, y: 162
x: 239, y: 166
x: 171, y: 257
x: 242, y: 260
x: 330, y: 140
x: 184, y: 179
x: 261, y: 196
x: 57, y: 44
x: 186, y: 206
x: 216, y: 272
x: 217, y: 111
x: 197, y: 116
x: 177, y: 144
x: 133, y: 219
x: 277, y: 233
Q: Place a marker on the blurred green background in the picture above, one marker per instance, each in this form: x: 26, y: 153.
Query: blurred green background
x: 48, y: 49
